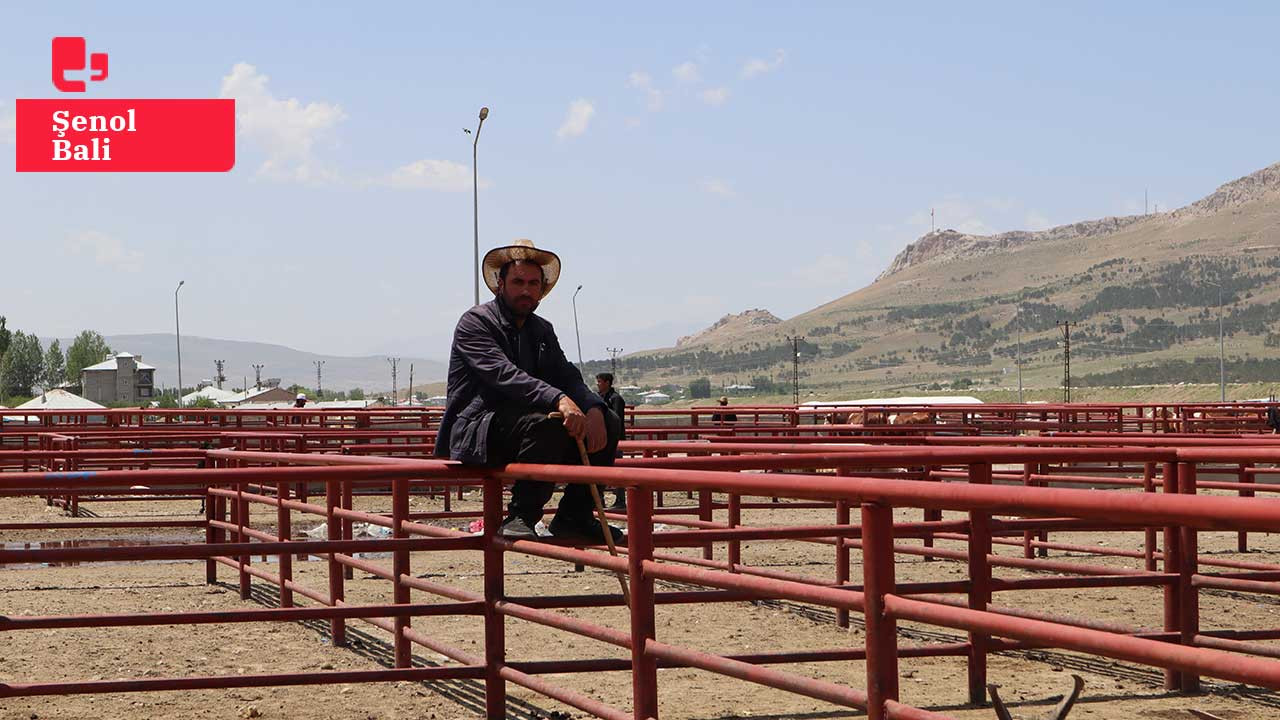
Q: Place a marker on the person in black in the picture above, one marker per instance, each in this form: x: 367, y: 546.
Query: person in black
x: 507, y: 372
x: 604, y: 386
x: 724, y: 417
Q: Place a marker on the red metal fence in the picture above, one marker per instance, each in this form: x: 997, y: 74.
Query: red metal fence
x: 1010, y: 491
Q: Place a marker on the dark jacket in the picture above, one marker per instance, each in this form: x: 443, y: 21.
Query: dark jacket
x: 618, y: 405
x: 494, y: 364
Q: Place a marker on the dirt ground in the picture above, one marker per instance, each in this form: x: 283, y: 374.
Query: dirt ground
x: 1030, y: 681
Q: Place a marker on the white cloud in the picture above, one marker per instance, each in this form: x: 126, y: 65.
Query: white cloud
x: 715, y: 96
x: 8, y: 125
x: 576, y: 119
x: 105, y: 250
x: 286, y: 130
x: 644, y: 82
x: 428, y: 174
x: 756, y: 66
x: 719, y: 187
x: 687, y: 72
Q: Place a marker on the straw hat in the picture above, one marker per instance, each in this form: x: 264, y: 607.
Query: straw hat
x: 521, y: 250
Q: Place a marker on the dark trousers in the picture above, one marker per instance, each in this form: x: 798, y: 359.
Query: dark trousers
x: 532, y: 437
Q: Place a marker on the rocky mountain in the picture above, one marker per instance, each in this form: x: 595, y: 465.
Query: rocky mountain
x: 729, y: 325
x: 1143, y: 294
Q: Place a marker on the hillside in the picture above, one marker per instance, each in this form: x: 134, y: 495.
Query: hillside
x: 288, y: 364
x: 730, y: 326
x: 1141, y: 291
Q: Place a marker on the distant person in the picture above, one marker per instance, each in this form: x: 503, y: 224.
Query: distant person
x: 724, y: 417
x: 300, y: 401
x: 1273, y: 419
x: 615, y: 402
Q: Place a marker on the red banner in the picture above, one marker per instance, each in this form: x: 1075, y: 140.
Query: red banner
x: 66, y: 135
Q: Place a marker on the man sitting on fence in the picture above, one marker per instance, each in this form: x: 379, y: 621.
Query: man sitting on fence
x: 507, y: 373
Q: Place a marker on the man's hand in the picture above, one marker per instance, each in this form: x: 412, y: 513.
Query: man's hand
x: 597, y: 434
x: 574, y: 421
x: 589, y: 428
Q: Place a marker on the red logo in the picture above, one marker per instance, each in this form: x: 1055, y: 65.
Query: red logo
x: 69, y: 54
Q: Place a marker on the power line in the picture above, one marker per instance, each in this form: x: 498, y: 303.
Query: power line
x: 319, y: 383
x: 1065, y: 326
x: 613, y: 359
x: 795, y: 365
x: 395, y: 388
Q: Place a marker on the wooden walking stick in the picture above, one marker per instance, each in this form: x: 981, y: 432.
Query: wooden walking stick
x: 604, y: 524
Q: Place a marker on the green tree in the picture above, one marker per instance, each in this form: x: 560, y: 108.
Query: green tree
x: 89, y: 348
x: 167, y: 400
x: 55, y: 366
x: 355, y: 394
x: 22, y: 366
x: 5, y: 337
x: 700, y: 388
x: 204, y: 402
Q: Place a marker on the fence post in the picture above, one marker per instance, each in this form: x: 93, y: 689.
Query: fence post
x: 1242, y: 538
x: 1149, y: 541
x: 842, y: 556
x: 979, y: 586
x: 706, y: 515
x: 284, y: 532
x: 400, y: 568
x: 337, y: 626
x: 1172, y: 564
x: 210, y: 533
x: 735, y: 519
x: 242, y: 522
x: 930, y: 515
x: 1028, y: 550
x: 882, y: 630
x: 644, y: 667
x: 495, y: 653
x: 1188, y: 593
x: 348, y: 572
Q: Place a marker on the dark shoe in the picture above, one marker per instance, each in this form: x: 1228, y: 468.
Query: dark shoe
x: 517, y: 529
x: 585, y: 532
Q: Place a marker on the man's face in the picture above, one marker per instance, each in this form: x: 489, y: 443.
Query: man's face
x: 602, y: 386
x: 522, y: 289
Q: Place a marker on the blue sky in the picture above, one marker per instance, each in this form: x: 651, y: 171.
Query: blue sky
x: 686, y: 160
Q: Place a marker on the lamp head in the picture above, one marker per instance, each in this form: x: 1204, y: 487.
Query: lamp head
x: 484, y: 113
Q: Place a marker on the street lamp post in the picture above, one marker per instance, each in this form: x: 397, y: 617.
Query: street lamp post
x: 177, y: 334
x: 575, y: 325
x: 475, y: 204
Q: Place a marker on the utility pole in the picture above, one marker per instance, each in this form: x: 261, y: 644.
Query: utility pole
x: 257, y: 377
x: 395, y: 388
x: 1065, y: 326
x: 613, y: 359
x: 795, y: 365
x: 932, y: 227
x: 218, y: 377
x: 319, y: 383
x: 1222, y: 362
x: 409, y: 394
x: 1017, y: 315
